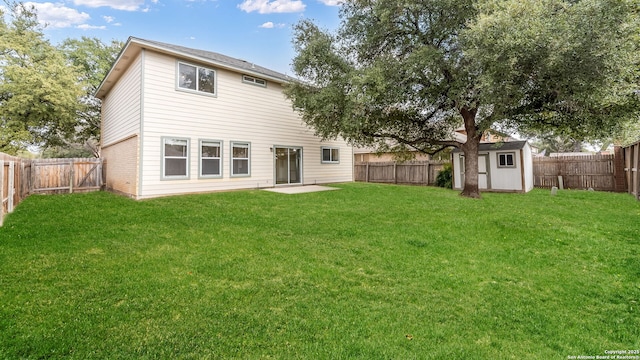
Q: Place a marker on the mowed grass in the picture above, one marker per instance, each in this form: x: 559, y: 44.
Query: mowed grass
x: 368, y: 272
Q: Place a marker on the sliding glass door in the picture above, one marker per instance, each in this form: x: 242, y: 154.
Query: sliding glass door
x: 288, y: 163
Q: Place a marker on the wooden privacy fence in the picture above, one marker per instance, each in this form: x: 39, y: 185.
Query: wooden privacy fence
x: 603, y: 172
x: 14, y: 182
x: 21, y: 177
x: 413, y: 172
x: 66, y: 175
x: 631, y: 155
x: 577, y: 172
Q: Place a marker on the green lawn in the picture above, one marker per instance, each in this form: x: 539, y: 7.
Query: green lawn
x: 369, y: 271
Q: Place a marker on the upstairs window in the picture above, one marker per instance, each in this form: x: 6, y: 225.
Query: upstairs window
x: 196, y: 78
x: 254, y: 80
x: 330, y: 155
x: 506, y: 159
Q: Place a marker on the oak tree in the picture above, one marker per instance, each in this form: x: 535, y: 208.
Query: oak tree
x: 39, y: 90
x: 404, y: 74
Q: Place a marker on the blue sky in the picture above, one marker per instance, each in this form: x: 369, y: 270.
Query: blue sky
x: 258, y: 31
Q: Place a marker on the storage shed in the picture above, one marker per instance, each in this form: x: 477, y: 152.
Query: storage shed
x: 503, y: 166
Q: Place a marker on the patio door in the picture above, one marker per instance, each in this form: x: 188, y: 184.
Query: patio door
x: 288, y: 165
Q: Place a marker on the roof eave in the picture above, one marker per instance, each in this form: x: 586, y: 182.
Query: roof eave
x: 138, y: 44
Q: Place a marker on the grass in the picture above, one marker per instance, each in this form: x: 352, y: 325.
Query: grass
x: 370, y: 271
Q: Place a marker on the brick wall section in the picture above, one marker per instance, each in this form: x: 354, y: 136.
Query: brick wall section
x: 620, y: 182
x: 121, y: 166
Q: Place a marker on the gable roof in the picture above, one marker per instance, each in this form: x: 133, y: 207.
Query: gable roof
x: 499, y: 146
x: 134, y: 45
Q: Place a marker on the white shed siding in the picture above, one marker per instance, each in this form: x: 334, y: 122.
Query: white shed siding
x: 505, y: 178
x: 238, y: 112
x: 121, y: 107
x: 528, y: 167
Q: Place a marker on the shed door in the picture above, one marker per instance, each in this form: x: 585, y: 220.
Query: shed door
x: 484, y: 181
x: 483, y: 171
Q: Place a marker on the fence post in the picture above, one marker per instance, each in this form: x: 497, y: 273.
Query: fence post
x: 32, y: 180
x: 99, y: 174
x: 10, y: 186
x: 634, y: 170
x: 395, y: 173
x: 71, y: 165
x: 366, y: 177
x: 1, y: 191
x: 20, y: 195
x: 619, y: 178
x: 427, y: 169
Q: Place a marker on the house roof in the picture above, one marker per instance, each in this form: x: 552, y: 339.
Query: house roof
x: 499, y: 146
x: 135, y: 45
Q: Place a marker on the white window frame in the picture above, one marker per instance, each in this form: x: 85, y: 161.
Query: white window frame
x: 197, y: 90
x: 163, y: 166
x: 331, y: 155
x: 506, y: 161
x: 248, y: 79
x: 247, y: 145
x: 219, y: 143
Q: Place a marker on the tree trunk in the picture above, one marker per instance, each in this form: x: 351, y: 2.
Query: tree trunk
x: 470, y: 149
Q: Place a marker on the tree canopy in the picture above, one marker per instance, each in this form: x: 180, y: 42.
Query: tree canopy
x: 38, y: 90
x: 94, y: 59
x: 46, y: 92
x: 403, y: 74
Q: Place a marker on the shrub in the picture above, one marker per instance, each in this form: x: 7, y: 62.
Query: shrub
x: 444, y: 177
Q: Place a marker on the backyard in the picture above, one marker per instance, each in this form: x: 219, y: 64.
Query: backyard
x: 368, y: 271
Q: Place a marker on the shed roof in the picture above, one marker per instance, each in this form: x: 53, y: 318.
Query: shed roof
x: 500, y: 146
x: 135, y: 45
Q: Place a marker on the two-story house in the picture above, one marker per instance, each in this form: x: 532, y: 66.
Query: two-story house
x: 177, y: 120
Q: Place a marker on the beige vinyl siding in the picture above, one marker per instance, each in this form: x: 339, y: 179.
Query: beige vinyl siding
x: 121, y: 107
x: 239, y: 112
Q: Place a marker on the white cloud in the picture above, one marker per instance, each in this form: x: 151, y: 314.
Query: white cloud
x: 91, y: 27
x: 271, y: 25
x: 332, y: 2
x: 57, y: 15
x: 275, y: 6
x: 108, y: 19
x: 127, y: 5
